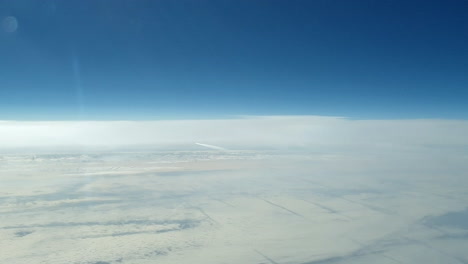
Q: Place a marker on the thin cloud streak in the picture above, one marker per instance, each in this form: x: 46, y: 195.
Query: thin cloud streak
x: 210, y: 146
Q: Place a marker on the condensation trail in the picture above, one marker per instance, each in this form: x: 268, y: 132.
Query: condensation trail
x: 210, y: 146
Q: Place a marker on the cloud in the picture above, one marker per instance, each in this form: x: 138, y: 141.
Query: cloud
x: 397, y: 203
x: 246, y: 132
x: 210, y: 146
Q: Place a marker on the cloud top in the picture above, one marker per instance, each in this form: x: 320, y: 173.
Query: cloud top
x: 245, y: 132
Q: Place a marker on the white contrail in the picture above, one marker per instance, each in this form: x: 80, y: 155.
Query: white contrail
x: 211, y: 146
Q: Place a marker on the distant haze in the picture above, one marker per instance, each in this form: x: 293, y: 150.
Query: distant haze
x: 309, y: 132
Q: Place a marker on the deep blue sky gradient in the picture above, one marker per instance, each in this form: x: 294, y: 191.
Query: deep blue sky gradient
x: 114, y: 59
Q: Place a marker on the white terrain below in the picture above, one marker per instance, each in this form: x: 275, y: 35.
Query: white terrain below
x: 233, y: 207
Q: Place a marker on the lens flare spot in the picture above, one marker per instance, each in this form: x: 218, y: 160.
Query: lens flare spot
x: 9, y: 24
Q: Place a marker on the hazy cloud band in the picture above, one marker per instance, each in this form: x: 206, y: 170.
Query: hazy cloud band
x: 250, y: 132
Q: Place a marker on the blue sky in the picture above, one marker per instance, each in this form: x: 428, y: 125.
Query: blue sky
x: 70, y: 60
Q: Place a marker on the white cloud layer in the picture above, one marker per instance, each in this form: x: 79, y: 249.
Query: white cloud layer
x: 330, y: 190
x: 247, y: 132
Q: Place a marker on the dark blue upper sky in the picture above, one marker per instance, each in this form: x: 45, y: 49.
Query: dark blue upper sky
x: 115, y: 59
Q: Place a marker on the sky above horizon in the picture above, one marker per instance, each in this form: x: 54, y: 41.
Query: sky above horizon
x: 72, y: 60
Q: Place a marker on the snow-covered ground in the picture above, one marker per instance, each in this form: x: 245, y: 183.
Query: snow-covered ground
x: 209, y: 206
